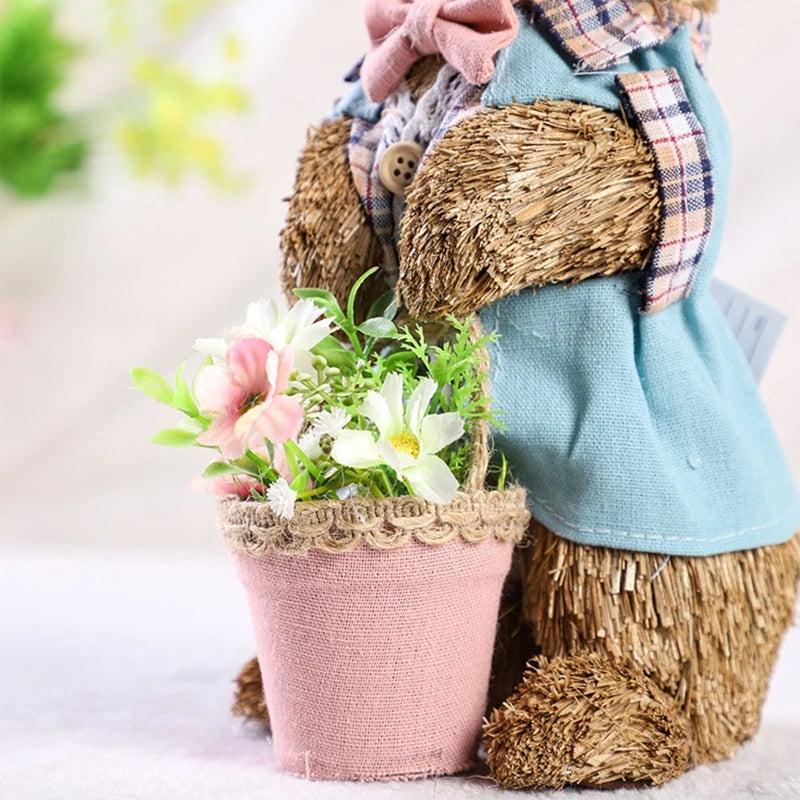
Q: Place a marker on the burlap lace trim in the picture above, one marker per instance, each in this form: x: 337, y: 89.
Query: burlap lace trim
x: 385, y: 523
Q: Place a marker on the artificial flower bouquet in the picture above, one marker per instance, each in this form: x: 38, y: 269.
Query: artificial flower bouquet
x: 354, y: 459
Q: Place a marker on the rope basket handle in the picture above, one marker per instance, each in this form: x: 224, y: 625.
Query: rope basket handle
x: 481, y: 446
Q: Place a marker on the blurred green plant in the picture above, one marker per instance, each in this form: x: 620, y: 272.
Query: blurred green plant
x: 177, y: 15
x: 168, y: 131
x: 119, y: 24
x: 167, y: 138
x: 39, y: 142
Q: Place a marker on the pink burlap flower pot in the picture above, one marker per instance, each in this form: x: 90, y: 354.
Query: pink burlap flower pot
x: 375, y: 660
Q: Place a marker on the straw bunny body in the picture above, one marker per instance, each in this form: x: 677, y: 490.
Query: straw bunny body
x: 663, y: 569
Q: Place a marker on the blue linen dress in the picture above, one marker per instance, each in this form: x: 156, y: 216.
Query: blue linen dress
x: 631, y: 431
x: 641, y: 432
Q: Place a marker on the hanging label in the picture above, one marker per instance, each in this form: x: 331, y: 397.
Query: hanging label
x: 756, y: 325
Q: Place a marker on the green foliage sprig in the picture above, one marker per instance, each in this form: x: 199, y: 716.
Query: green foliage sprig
x: 39, y: 142
x: 384, y: 408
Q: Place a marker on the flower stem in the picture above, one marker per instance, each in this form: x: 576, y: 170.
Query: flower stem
x: 313, y: 492
x: 389, y: 489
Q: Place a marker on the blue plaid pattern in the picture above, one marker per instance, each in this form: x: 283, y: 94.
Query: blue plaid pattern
x: 467, y: 104
x: 365, y: 138
x: 369, y: 140
x: 599, y: 33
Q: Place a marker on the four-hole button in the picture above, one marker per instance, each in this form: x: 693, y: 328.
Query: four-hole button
x: 398, y: 166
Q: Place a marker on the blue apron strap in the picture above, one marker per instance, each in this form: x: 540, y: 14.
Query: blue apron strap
x: 658, y: 104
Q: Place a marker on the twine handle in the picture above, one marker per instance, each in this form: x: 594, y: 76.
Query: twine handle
x: 481, y: 448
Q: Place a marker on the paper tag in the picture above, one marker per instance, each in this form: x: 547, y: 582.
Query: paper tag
x: 756, y: 325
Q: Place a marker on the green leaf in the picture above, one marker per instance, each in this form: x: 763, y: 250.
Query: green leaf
x: 40, y: 142
x: 328, y: 343
x: 295, y: 451
x: 175, y: 437
x: 220, y: 469
x: 301, y: 481
x: 192, y: 425
x: 259, y: 463
x: 378, y: 328
x: 351, y: 300
x: 250, y: 464
x: 501, y: 479
x: 291, y: 461
x: 385, y: 306
x: 344, y: 360
x: 315, y: 294
x: 398, y: 359
x: 440, y: 371
x: 153, y: 385
x: 182, y: 399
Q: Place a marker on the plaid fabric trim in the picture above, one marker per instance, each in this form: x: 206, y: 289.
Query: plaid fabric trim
x: 600, y: 33
x: 467, y: 104
x: 701, y: 37
x: 365, y: 138
x: 658, y: 102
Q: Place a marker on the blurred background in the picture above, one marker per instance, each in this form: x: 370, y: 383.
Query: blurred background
x: 152, y: 218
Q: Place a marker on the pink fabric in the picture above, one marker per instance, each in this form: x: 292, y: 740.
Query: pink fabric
x: 468, y: 33
x: 376, y: 663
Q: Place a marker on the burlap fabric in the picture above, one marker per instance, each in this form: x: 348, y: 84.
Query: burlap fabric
x: 375, y: 623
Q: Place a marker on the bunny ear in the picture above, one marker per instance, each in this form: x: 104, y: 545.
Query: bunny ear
x: 467, y: 33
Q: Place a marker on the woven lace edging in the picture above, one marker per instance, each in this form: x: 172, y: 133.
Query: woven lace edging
x: 385, y: 524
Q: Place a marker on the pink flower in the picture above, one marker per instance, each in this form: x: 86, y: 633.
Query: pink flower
x: 245, y: 397
x: 236, y: 485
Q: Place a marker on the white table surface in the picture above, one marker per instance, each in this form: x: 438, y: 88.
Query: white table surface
x: 116, y: 676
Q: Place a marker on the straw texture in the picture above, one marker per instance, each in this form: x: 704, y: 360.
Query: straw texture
x: 327, y: 240
x: 248, y: 698
x: 522, y: 196
x: 704, y: 631
x: 585, y: 720
x: 423, y: 75
x: 702, y: 5
x: 376, y: 662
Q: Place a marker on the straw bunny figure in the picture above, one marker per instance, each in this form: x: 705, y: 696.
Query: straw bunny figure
x: 561, y: 168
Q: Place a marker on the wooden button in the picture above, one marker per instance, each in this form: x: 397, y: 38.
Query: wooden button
x: 399, y: 165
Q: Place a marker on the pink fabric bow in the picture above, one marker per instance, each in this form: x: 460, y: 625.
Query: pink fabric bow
x: 468, y: 33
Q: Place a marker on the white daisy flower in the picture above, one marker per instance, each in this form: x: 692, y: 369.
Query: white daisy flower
x: 331, y: 423
x: 408, y: 439
x: 281, y: 498
x: 326, y: 423
x: 309, y: 444
x: 300, y: 327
